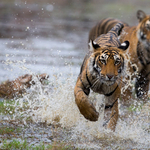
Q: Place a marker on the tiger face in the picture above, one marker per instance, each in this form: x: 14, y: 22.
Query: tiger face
x: 107, y: 63
x: 143, y: 28
x: 110, y: 65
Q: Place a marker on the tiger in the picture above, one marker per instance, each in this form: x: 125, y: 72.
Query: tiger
x: 139, y: 50
x: 101, y: 72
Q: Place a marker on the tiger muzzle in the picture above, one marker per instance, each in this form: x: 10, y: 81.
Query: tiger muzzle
x: 110, y: 77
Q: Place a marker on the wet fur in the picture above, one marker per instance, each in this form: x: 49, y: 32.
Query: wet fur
x: 101, y: 72
x: 139, y: 50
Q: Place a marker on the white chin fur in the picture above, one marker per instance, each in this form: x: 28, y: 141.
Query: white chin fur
x: 90, y: 65
x: 109, y: 83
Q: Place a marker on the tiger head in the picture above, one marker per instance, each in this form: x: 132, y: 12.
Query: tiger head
x: 107, y: 63
x: 143, y: 28
x: 107, y: 59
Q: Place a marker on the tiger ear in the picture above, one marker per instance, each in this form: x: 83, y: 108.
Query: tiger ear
x: 124, y: 45
x: 140, y: 15
x: 93, y: 46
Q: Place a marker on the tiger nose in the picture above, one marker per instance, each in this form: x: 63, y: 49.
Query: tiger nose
x: 110, y: 77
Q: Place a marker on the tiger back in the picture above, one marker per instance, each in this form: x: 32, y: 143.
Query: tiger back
x: 103, y: 27
x: 101, y: 71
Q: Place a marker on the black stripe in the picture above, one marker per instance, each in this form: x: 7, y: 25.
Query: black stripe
x: 119, y: 32
x: 78, y: 92
x: 94, y: 67
x: 82, y: 91
x: 94, y: 62
x: 148, y: 50
x: 103, y: 27
x: 113, y: 33
x: 108, y: 120
x: 109, y: 94
x: 82, y: 83
x: 117, y: 29
x: 88, y: 79
x: 140, y: 55
x: 147, y: 62
x: 81, y: 67
x: 111, y: 25
x: 140, y: 58
x: 147, y: 75
x: 110, y: 106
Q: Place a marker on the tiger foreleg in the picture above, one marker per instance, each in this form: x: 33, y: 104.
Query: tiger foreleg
x: 86, y: 108
x: 113, y: 117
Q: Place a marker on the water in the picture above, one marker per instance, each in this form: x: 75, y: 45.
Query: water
x: 51, y: 113
x: 53, y: 104
x: 38, y: 55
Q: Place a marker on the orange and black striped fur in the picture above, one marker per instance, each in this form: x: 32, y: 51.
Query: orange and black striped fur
x: 101, y: 72
x: 139, y: 50
x: 103, y: 27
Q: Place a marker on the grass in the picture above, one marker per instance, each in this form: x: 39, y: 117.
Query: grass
x: 6, y: 107
x: 17, y: 145
x: 134, y: 108
x: 9, y: 130
x: 23, y: 145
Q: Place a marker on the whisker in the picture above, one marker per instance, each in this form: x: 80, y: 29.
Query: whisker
x: 96, y: 80
x: 120, y: 80
x: 95, y: 85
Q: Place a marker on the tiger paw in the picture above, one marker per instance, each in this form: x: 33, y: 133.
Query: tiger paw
x: 89, y: 111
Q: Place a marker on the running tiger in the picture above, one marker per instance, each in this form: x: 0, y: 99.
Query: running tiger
x: 139, y: 50
x: 101, y: 71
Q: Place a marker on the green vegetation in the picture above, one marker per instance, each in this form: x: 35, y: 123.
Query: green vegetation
x: 23, y: 145
x: 9, y: 130
x: 135, y: 108
x: 17, y: 145
x: 6, y: 107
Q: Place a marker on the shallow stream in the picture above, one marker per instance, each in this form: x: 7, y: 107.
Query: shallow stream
x: 51, y: 107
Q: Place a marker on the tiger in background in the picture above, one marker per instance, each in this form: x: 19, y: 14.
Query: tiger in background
x: 139, y: 50
x: 103, y: 27
x: 101, y: 71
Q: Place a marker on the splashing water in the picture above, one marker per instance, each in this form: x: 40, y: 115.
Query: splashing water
x: 54, y: 103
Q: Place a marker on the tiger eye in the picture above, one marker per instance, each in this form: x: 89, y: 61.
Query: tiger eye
x: 117, y: 61
x: 103, y: 61
x: 143, y: 36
